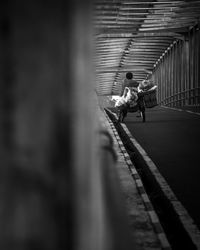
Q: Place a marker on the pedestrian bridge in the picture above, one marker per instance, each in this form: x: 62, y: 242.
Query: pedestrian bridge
x: 72, y: 176
x: 158, y: 41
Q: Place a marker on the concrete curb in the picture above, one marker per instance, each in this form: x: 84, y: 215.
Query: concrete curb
x: 147, y: 203
x: 184, y: 217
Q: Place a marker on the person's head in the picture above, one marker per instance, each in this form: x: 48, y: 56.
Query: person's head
x: 129, y: 75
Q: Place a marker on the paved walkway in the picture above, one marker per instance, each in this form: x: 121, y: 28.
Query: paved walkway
x: 172, y: 138
x: 144, y: 223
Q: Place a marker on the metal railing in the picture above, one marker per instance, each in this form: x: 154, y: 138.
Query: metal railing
x: 186, y: 97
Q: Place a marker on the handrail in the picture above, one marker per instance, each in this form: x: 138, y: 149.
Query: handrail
x: 193, y: 93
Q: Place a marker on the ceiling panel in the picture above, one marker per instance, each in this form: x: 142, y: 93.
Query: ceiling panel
x: 132, y: 36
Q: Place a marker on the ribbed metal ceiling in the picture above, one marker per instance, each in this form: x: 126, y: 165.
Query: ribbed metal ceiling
x: 133, y: 35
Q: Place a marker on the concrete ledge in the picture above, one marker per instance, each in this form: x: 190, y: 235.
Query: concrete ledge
x: 144, y: 223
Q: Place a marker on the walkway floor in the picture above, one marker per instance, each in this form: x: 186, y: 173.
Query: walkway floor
x: 172, y: 138
x: 140, y: 221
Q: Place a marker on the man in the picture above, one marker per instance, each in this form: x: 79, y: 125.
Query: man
x: 129, y: 82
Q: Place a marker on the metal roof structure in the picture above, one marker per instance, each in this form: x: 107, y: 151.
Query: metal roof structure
x: 132, y: 35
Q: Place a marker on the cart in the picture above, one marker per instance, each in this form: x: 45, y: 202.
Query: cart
x: 145, y: 100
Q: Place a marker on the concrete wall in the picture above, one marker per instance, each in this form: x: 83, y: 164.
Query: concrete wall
x: 50, y: 154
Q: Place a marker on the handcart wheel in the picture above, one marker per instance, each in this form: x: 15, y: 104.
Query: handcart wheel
x: 143, y: 116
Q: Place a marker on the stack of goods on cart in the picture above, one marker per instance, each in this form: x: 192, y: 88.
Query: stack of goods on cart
x: 133, y: 97
x: 129, y: 97
x: 148, y: 89
x: 120, y: 101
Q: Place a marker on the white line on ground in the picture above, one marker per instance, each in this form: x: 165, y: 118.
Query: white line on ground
x: 163, y: 240
x: 185, y: 218
x: 181, y: 110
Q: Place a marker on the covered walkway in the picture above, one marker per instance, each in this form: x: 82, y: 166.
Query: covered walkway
x: 159, y: 41
x: 67, y: 179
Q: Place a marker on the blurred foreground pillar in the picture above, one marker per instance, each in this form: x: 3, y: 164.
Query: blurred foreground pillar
x: 52, y: 188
